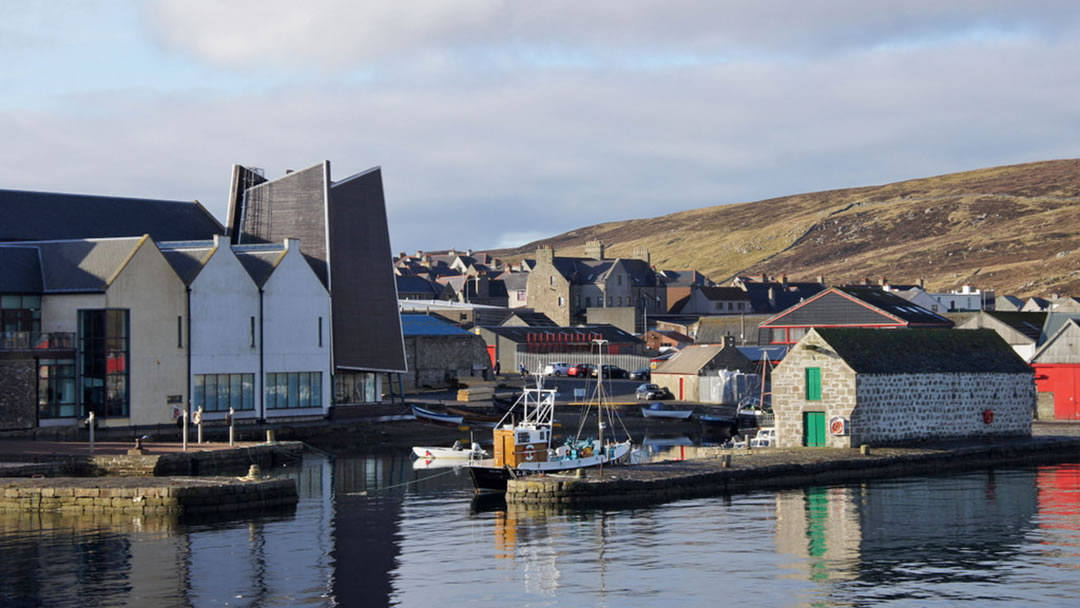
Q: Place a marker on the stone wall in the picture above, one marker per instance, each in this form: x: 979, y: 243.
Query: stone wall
x: 438, y: 361
x: 789, y: 393
x: 18, y: 394
x: 908, y: 407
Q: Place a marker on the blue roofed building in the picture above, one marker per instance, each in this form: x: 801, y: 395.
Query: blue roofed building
x: 440, y: 354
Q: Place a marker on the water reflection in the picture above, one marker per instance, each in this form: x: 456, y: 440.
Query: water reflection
x: 374, y: 531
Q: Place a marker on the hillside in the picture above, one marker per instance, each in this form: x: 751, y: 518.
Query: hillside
x: 1014, y: 229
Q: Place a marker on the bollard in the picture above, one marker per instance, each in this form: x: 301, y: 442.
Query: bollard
x: 725, y: 461
x: 270, y: 436
x: 864, y: 449
x: 90, y: 422
x: 197, y: 419
x: 184, y: 415
x: 232, y: 428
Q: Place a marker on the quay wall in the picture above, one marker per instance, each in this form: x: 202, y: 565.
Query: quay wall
x: 660, y: 482
x: 178, y: 496
x: 226, y: 461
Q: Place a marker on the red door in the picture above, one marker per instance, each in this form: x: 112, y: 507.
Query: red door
x: 680, y: 388
x: 491, y: 353
x: 1063, y: 381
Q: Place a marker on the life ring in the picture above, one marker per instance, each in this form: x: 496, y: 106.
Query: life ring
x: 988, y: 416
x: 529, y: 448
x: 529, y: 456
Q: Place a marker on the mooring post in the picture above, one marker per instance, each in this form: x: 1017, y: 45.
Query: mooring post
x: 198, y: 424
x: 184, y: 415
x: 90, y: 422
x: 232, y: 436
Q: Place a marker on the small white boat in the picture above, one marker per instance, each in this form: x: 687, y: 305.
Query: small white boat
x: 422, y: 414
x: 454, y: 452
x: 659, y: 410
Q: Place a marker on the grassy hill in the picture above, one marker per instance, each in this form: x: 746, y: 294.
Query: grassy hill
x: 1014, y: 229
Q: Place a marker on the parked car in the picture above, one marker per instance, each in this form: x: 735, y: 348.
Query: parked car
x: 612, y: 371
x: 581, y: 370
x: 556, y: 368
x: 641, y: 373
x: 648, y: 392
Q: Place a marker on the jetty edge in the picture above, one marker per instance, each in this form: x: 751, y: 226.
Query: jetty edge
x: 738, y: 471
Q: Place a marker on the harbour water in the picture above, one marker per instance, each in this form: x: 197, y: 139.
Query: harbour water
x: 374, y: 531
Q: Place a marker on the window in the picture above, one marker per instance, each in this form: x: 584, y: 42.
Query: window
x: 778, y: 335
x: 719, y: 306
x: 355, y: 387
x: 252, y: 338
x: 103, y: 353
x: 731, y: 306
x: 609, y: 300
x: 618, y: 279
x: 522, y: 296
x: 289, y: 390
x: 56, y: 388
x: 741, y: 305
x: 551, y: 280
x: 796, y: 333
x: 562, y: 301
x: 813, y: 384
x: 588, y: 301
x: 320, y: 332
x: 219, y: 392
x: 20, y: 314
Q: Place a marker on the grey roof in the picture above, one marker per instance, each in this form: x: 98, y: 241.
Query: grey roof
x: 923, y: 351
x: 20, y: 270
x: 1030, y: 324
x: 429, y: 325
x: 41, y: 216
x: 187, y: 261
x: 724, y: 293
x: 684, y: 278
x: 692, y: 358
x: 1054, y: 322
x: 531, y: 318
x: 259, y: 260
x: 585, y: 271
x: 414, y: 285
x: 83, y: 265
x: 857, y: 305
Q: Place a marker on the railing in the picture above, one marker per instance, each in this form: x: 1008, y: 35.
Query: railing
x: 32, y: 341
x: 536, y: 361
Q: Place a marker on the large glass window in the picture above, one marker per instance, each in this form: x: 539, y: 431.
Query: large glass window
x: 103, y: 354
x: 288, y: 390
x: 219, y: 392
x: 355, y: 387
x: 56, y: 388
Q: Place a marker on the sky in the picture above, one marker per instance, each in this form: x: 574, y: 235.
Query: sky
x: 500, y: 122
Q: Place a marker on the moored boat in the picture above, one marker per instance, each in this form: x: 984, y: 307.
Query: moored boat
x: 458, y: 451
x: 659, y: 410
x: 423, y: 414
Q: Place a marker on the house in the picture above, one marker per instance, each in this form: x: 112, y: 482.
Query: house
x: 441, y: 354
x: 714, y: 301
x: 419, y: 288
x: 679, y: 284
x: 1036, y: 304
x: 769, y: 295
x: 683, y: 374
x: 1021, y: 330
x: 343, y: 233
x: 844, y: 387
x: 849, y: 306
x: 516, y: 285
x: 1008, y: 303
x: 1057, y: 369
x: 564, y: 288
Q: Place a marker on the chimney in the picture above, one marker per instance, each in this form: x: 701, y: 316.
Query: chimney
x: 764, y: 278
x: 419, y: 253
x: 884, y: 281
x: 783, y: 280
x: 821, y: 280
x: 922, y: 283
x: 401, y: 254
x: 642, y: 253
x: 594, y: 249
x: 468, y: 252
x: 867, y: 281
x: 729, y: 341
x: 545, y: 255
x: 288, y: 171
x: 452, y: 252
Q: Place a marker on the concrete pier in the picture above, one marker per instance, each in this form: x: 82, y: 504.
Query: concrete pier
x: 726, y: 471
x: 145, y: 496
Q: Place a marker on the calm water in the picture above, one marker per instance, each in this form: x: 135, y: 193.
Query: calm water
x: 375, y: 532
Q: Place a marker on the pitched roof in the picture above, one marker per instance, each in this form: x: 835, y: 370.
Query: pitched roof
x: 416, y: 285
x: 51, y: 216
x: 260, y: 260
x: 1030, y: 324
x: 691, y: 359
x: 1054, y: 323
x: 85, y: 265
x: 922, y: 351
x: 429, y: 325
x: 515, y: 281
x: 723, y: 293
x: 530, y: 318
x: 857, y: 305
x: 1068, y: 326
x: 187, y: 258
x: 20, y: 270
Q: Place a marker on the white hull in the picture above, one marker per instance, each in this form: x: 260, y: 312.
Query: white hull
x: 672, y: 414
x: 436, y: 453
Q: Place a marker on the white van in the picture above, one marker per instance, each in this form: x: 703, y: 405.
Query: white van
x: 556, y: 368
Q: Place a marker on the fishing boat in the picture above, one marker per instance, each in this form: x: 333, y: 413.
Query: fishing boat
x: 422, y: 414
x: 525, y: 447
x: 659, y: 410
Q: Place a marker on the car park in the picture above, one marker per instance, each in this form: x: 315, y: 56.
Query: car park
x: 556, y: 368
x: 648, y: 392
x: 581, y: 370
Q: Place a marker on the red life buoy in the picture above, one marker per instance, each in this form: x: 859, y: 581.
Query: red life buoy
x: 988, y: 416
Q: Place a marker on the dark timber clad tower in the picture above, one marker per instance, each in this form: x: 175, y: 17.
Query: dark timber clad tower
x: 343, y: 233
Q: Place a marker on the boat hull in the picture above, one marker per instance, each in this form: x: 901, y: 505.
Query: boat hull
x: 668, y: 414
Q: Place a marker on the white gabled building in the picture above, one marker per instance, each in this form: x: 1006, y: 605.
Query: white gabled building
x: 293, y: 331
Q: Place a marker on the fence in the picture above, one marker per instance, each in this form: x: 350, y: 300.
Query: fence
x: 535, y: 362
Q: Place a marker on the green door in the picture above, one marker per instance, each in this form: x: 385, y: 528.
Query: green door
x: 814, y: 429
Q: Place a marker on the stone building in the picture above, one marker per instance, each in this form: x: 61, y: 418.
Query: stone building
x: 440, y: 354
x: 843, y: 387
